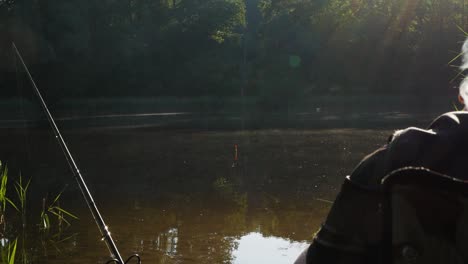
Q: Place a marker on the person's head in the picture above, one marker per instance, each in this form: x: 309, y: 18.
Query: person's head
x: 463, y: 93
x: 463, y: 90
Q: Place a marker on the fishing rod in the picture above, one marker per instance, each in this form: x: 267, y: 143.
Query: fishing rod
x: 103, y: 228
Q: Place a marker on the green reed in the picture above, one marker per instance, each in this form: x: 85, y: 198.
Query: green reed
x: 21, y: 193
x: 18, y: 250
x: 8, y: 251
x: 4, y: 200
x: 58, y: 212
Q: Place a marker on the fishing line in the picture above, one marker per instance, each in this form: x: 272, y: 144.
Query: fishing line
x: 103, y: 228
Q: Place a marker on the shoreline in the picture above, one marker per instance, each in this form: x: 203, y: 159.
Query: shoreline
x: 233, y: 113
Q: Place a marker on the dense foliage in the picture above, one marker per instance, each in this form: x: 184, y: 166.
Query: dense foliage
x: 267, y: 48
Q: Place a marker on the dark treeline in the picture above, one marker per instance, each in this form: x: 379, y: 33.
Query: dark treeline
x: 267, y: 48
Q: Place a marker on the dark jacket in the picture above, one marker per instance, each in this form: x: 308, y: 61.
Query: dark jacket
x: 352, y: 230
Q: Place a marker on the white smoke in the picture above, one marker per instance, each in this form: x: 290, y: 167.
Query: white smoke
x: 464, y: 66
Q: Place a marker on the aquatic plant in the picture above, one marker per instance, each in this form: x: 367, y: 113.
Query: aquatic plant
x: 3, y: 198
x: 57, y: 211
x: 18, y: 250
x: 229, y: 191
x: 8, y: 251
x: 21, y: 192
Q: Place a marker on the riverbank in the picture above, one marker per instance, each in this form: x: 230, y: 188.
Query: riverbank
x: 235, y: 113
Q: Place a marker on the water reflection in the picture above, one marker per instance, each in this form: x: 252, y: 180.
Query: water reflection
x: 255, y: 248
x: 167, y: 242
x: 204, y: 230
x: 174, y: 196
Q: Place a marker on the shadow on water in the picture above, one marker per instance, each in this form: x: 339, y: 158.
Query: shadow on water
x: 180, y: 196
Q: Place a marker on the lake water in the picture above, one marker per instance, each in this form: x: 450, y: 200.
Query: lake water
x: 180, y: 196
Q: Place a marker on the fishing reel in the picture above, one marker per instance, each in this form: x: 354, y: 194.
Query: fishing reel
x: 135, y: 256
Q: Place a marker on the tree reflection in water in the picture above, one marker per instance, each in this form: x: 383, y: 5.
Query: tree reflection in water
x: 206, y: 229
x: 174, y: 196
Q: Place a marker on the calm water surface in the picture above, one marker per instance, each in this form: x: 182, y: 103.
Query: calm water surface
x: 180, y: 196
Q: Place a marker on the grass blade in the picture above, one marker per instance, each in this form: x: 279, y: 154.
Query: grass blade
x: 12, y: 204
x: 12, y: 252
x: 65, y: 212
